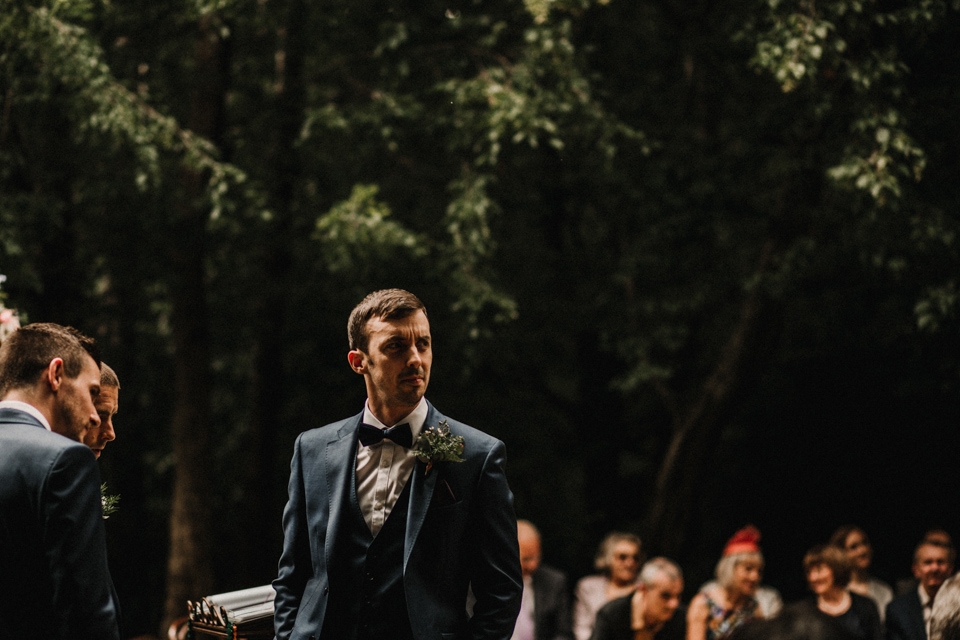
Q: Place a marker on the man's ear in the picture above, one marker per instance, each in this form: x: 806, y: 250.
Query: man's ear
x: 53, y: 374
x: 357, y: 360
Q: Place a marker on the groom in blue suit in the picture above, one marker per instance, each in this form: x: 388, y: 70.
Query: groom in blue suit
x: 54, y: 581
x: 379, y: 544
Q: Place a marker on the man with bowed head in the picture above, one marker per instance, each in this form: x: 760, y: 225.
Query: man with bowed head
x: 54, y: 581
x: 648, y: 613
x: 382, y: 539
x: 107, y: 404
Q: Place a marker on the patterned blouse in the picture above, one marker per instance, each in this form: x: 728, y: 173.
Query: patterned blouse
x: 721, y: 622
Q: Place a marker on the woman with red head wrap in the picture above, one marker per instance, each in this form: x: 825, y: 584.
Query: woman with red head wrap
x: 719, y: 609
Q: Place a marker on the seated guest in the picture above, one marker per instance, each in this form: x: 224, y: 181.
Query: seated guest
x: 828, y: 571
x: 618, y: 560
x: 945, y: 618
x: 795, y: 622
x: 715, y: 613
x: 855, y: 543
x: 908, y: 617
x: 768, y: 599
x: 648, y: 612
x: 940, y: 536
x: 545, y: 607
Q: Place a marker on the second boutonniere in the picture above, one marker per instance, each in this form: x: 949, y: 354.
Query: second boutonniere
x: 437, y: 444
x: 108, y: 503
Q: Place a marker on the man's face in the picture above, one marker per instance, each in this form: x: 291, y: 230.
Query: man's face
x: 107, y: 404
x: 397, y: 362
x: 661, y: 600
x: 74, y: 411
x: 625, y: 562
x: 858, y: 549
x: 932, y: 567
x: 529, y: 553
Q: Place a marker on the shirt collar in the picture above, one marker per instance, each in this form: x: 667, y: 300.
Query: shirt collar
x: 26, y: 408
x: 924, y: 596
x: 415, y: 418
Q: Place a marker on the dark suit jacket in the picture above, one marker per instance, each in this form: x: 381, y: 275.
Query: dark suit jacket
x: 460, y: 531
x: 54, y: 582
x: 905, y: 618
x: 613, y: 622
x: 552, y: 618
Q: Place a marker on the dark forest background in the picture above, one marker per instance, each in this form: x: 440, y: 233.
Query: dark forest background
x: 694, y: 262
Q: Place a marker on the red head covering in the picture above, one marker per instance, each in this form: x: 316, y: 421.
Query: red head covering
x: 743, y: 541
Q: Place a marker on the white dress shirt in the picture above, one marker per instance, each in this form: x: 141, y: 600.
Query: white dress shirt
x: 384, y: 468
x: 926, y: 602
x: 26, y: 408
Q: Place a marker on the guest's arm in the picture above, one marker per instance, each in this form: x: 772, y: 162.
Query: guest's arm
x: 583, y: 611
x: 697, y: 618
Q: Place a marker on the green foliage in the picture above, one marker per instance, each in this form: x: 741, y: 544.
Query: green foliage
x: 356, y: 232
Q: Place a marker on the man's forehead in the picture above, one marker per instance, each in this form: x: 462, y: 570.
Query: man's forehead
x: 415, y: 323
x: 108, y: 396
x: 930, y: 552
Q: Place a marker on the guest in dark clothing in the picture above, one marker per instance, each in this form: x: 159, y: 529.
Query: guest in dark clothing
x: 797, y: 621
x: 828, y: 573
x: 650, y: 611
x: 908, y: 617
x: 545, y: 612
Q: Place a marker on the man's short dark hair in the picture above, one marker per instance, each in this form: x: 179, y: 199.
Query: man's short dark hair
x: 28, y: 351
x: 386, y: 304
x: 108, y: 377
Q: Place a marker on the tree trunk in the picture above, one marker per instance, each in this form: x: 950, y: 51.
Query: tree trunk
x: 275, y: 256
x: 190, y: 568
x: 695, y: 427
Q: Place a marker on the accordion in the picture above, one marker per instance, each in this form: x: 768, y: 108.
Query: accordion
x: 239, y: 615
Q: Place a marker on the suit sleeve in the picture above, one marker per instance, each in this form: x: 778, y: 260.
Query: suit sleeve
x: 894, y: 624
x: 294, y: 566
x: 564, y: 614
x: 605, y: 625
x: 495, y: 576
x: 76, y: 550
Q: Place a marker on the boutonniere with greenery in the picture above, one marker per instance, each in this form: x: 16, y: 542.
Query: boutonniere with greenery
x: 437, y: 444
x: 107, y: 502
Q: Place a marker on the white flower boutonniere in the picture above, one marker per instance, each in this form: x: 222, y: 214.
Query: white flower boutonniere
x: 108, y: 503
x: 437, y: 444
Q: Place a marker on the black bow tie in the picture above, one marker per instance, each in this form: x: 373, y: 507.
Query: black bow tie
x: 400, y: 434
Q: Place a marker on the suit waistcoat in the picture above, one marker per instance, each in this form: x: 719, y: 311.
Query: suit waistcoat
x: 367, y: 600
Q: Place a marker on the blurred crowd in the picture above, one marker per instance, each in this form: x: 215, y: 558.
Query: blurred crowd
x: 629, y: 599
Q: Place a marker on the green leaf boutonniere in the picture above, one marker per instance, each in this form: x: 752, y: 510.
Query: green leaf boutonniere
x: 107, y: 502
x: 437, y: 444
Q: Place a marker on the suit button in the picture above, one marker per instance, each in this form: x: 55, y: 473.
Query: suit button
x: 326, y: 590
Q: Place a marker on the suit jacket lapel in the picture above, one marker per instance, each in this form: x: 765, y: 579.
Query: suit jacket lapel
x: 421, y: 493
x: 340, y: 464
x: 920, y: 627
